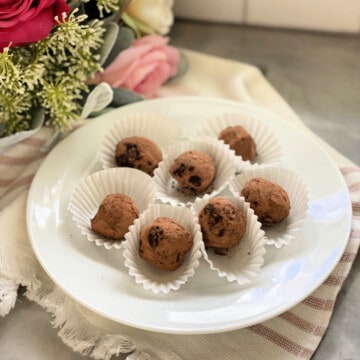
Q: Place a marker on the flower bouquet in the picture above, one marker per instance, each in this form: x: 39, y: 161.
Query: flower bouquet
x: 65, y: 61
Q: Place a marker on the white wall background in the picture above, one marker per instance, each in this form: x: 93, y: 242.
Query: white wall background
x: 321, y: 15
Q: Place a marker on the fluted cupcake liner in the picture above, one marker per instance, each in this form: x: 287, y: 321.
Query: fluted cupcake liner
x: 243, y: 262
x: 168, y: 190
x: 287, y: 230
x: 268, y: 148
x: 153, y: 126
x: 148, y: 275
x: 91, y: 191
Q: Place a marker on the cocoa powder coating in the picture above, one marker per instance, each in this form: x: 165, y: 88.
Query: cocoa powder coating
x: 194, y: 171
x: 114, y: 216
x: 138, y: 152
x: 165, y: 243
x: 223, y: 225
x: 240, y: 141
x: 269, y: 201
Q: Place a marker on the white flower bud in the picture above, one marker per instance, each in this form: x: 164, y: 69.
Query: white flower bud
x: 157, y: 14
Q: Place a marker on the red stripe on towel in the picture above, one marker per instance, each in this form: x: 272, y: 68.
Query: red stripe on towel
x: 334, y: 280
x: 319, y: 304
x: 9, y: 160
x: 281, y: 341
x: 302, y: 324
x: 25, y: 181
x: 348, y: 170
x: 354, y: 187
x: 356, y: 207
x: 6, y: 182
x: 348, y: 257
x: 35, y: 142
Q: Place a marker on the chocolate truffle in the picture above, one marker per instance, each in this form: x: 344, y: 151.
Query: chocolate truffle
x: 194, y: 171
x: 114, y: 216
x: 165, y: 243
x: 240, y: 141
x: 269, y: 201
x: 222, y: 224
x: 138, y: 152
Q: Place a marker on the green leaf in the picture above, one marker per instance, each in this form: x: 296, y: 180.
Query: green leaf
x: 37, y: 118
x: 123, y: 96
x: 2, y: 128
x: 110, y: 18
x: 182, y: 67
x: 110, y: 37
x: 131, y: 23
x: 137, y: 25
x: 124, y: 39
x: 77, y: 5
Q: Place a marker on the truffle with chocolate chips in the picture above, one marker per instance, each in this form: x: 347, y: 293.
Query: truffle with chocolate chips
x: 194, y: 171
x: 165, y: 243
x: 138, y: 152
x: 223, y: 225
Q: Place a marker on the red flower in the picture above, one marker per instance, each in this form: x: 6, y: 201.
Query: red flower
x: 25, y: 21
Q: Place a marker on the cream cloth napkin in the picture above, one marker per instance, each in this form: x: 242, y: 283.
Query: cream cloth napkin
x: 292, y: 335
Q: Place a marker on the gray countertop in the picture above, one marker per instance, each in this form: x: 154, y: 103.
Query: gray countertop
x: 319, y: 76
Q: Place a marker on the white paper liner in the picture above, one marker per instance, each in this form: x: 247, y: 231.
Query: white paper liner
x: 91, y: 191
x: 286, y: 231
x: 268, y: 147
x: 145, y: 273
x: 243, y: 262
x: 153, y: 126
x: 167, y: 187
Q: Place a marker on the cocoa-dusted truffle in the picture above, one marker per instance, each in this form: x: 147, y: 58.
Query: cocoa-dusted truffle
x: 194, y: 171
x: 138, y: 152
x: 114, y: 216
x: 165, y: 243
x: 269, y: 201
x: 222, y: 224
x: 240, y: 141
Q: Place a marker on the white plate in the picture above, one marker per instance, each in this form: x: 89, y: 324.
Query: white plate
x: 97, y: 278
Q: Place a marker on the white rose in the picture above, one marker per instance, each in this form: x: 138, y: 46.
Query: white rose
x: 156, y: 14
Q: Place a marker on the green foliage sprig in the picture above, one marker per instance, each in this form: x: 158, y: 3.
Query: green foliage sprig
x: 50, y: 74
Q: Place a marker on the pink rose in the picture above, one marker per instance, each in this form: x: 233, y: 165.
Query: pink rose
x: 25, y: 21
x: 143, y: 67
